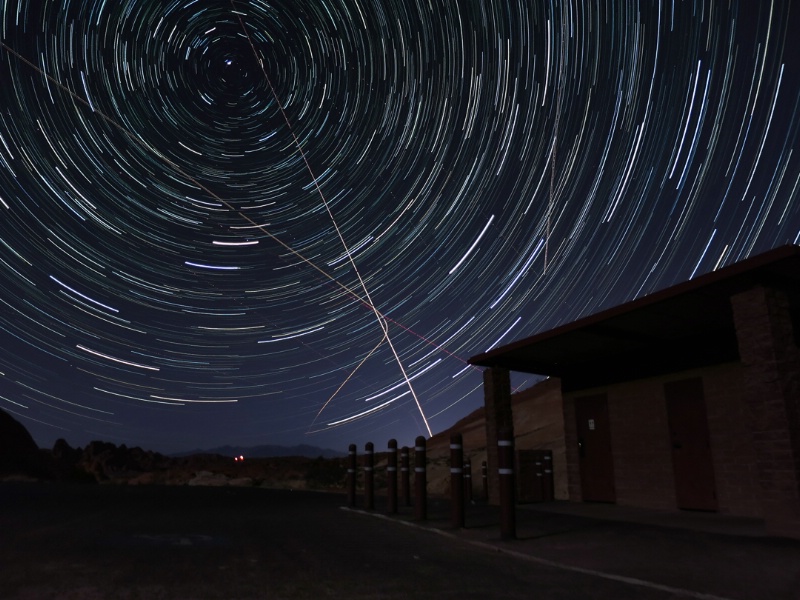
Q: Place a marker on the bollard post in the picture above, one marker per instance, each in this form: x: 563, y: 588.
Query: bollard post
x: 405, y: 476
x: 467, y: 480
x: 485, y: 477
x: 351, y: 476
x: 391, y: 477
x: 420, y: 481
x: 456, y: 481
x: 505, y: 463
x: 369, y: 476
x: 548, y: 490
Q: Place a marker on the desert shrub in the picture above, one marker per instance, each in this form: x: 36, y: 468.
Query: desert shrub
x: 326, y: 473
x: 79, y: 475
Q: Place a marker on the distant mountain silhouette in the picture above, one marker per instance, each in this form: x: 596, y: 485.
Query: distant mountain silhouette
x: 19, y: 454
x: 267, y: 451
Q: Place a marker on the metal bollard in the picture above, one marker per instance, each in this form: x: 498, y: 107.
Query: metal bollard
x: 369, y: 476
x: 485, y: 477
x: 505, y: 460
x: 391, y: 477
x: 351, y: 476
x: 548, y: 491
x: 420, y: 481
x: 456, y: 481
x: 405, y: 476
x: 467, y: 480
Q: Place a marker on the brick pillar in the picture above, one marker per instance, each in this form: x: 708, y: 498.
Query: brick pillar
x: 497, y: 400
x: 771, y: 361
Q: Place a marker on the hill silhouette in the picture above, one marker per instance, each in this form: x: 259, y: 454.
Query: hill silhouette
x: 267, y: 451
x: 19, y: 454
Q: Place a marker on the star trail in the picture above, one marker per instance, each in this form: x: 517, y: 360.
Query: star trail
x: 278, y: 222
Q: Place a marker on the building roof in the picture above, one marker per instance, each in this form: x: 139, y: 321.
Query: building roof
x: 686, y: 326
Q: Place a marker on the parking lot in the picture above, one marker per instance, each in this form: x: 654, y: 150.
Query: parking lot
x: 62, y: 541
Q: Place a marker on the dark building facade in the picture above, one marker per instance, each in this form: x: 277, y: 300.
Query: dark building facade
x: 688, y: 398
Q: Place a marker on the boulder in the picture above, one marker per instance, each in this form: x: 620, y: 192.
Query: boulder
x: 106, y: 461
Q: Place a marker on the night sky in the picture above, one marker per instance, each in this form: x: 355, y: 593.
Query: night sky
x: 294, y: 221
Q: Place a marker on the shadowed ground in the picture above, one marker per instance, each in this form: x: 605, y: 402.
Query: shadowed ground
x: 87, y: 542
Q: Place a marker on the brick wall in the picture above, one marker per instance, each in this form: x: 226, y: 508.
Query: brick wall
x: 732, y: 449
x: 574, y: 491
x: 641, y: 445
x: 771, y: 363
x: 538, y: 413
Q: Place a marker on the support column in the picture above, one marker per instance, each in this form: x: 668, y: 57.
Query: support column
x: 497, y: 400
x: 771, y: 361
x: 508, y: 505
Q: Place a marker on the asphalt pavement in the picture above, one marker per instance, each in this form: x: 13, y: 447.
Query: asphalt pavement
x: 685, y: 554
x: 96, y: 541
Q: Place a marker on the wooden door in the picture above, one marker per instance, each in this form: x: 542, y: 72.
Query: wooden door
x: 691, y: 447
x: 594, y: 449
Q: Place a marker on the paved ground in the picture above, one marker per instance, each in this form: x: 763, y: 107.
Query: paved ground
x: 687, y: 554
x: 87, y: 542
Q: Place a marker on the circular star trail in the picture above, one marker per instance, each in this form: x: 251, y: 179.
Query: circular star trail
x: 250, y: 222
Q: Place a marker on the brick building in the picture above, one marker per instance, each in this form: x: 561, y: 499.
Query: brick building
x: 688, y: 398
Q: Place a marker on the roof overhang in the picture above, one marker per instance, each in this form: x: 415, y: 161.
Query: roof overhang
x: 683, y: 327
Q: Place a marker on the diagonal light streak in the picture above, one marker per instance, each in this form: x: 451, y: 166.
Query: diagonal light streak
x: 130, y: 135
x: 348, y: 378
x: 380, y: 318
